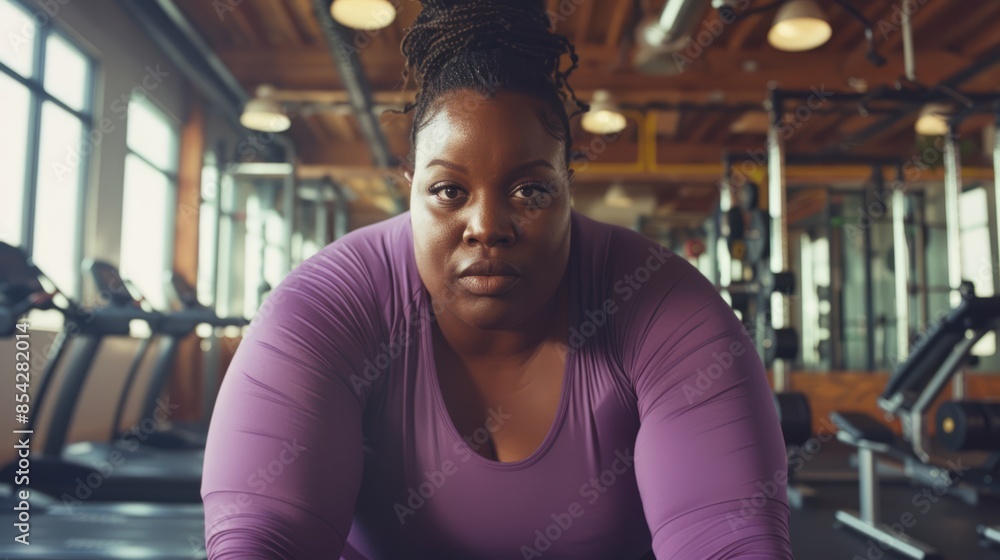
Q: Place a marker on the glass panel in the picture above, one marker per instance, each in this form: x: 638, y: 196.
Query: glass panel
x: 151, y: 135
x: 976, y: 262
x: 15, y: 100
x: 17, y: 48
x: 252, y: 250
x: 56, y: 229
x: 973, y: 208
x: 66, y: 71
x: 145, y: 242
x: 854, y: 323
x: 274, y: 254
x: 207, y: 230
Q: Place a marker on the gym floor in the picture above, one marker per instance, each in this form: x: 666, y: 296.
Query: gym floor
x: 947, y: 524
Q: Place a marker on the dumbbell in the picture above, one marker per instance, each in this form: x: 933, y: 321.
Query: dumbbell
x: 781, y: 282
x: 780, y: 344
x: 969, y: 425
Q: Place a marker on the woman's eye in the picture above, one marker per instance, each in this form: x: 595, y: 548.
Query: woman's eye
x: 532, y: 191
x: 451, y: 192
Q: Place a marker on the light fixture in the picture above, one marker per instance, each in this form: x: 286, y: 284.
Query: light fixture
x: 264, y: 114
x: 617, y: 197
x: 799, y: 25
x: 933, y: 120
x: 368, y: 15
x: 604, y: 117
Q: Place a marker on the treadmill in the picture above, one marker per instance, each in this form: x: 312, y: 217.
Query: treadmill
x: 85, y: 530
x: 118, y: 470
x: 170, y: 331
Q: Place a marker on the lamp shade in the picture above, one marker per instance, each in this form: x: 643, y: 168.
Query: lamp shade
x: 799, y: 25
x: 604, y: 116
x: 363, y: 14
x: 933, y: 120
x: 264, y: 115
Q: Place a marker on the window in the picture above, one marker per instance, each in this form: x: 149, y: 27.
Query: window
x: 149, y: 200
x: 977, y: 259
x: 45, y: 91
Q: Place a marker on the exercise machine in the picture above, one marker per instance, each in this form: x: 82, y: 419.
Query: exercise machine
x: 78, y: 530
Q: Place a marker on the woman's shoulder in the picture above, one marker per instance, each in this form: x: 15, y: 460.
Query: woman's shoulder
x: 350, y: 279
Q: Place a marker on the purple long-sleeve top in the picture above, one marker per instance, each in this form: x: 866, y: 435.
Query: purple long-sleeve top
x: 331, y: 438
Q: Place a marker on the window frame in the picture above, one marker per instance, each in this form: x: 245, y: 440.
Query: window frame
x: 37, y: 98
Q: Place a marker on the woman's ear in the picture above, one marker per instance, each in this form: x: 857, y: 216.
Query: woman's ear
x: 570, y: 173
x: 408, y: 174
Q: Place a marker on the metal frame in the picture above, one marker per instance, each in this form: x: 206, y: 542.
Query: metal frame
x: 868, y: 520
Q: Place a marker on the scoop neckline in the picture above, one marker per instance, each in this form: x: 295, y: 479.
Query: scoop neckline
x: 430, y: 367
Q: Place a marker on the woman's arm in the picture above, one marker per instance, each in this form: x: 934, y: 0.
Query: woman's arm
x: 284, y: 456
x: 710, y: 460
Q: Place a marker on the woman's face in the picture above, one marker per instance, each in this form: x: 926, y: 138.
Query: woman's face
x: 489, y: 182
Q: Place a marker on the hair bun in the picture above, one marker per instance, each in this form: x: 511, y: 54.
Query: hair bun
x: 448, y: 28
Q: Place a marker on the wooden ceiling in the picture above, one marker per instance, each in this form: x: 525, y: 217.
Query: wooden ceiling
x: 278, y: 42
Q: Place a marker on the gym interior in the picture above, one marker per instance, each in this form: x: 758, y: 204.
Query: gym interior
x: 832, y: 166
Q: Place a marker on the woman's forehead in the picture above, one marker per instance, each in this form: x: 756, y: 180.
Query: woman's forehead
x: 475, y: 128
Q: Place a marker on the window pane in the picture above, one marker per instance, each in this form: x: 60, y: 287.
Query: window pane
x: 66, y: 72
x: 973, y: 208
x: 207, y: 230
x: 151, y: 135
x: 252, y: 249
x: 14, y: 98
x: 145, y: 202
x: 59, y: 181
x: 17, y: 49
x: 977, y: 265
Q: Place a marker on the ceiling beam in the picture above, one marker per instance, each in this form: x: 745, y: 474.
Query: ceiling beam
x: 583, y: 22
x: 714, y: 69
x: 891, y: 30
x: 275, y: 18
x: 972, y: 17
x: 742, y: 30
x: 619, y: 19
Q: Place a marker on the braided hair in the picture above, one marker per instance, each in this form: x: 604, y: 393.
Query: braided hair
x: 487, y: 46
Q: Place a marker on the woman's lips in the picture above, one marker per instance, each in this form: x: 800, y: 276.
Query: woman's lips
x: 488, y: 285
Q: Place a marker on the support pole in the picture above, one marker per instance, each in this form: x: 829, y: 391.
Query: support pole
x: 901, y: 266
x: 952, y: 188
x: 776, y: 196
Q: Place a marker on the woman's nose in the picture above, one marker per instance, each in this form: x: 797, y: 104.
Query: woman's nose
x: 490, y: 224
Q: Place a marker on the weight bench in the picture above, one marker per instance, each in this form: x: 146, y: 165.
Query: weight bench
x: 870, y: 437
x: 911, y: 390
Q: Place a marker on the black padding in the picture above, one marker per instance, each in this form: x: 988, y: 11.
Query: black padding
x: 860, y: 426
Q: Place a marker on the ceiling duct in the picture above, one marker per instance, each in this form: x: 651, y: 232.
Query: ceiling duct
x: 660, y: 37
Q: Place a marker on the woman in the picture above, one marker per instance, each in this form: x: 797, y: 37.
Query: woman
x: 491, y: 374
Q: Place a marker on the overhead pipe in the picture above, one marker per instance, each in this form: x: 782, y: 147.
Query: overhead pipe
x: 341, y: 46
x: 909, y: 64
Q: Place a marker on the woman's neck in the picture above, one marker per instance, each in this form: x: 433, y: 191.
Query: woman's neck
x: 473, y: 345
